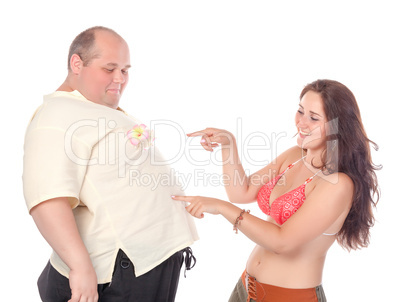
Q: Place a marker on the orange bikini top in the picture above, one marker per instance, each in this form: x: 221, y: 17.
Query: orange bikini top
x: 286, y: 205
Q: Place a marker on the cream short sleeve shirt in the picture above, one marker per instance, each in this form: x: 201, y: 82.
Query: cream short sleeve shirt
x: 120, y: 192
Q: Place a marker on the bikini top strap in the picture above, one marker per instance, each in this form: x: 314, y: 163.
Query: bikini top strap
x: 311, y: 178
x: 292, y: 165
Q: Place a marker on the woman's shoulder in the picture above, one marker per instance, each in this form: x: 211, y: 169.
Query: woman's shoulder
x: 290, y: 155
x: 338, y: 179
x: 336, y: 183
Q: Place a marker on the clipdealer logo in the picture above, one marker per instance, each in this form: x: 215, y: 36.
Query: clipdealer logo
x: 113, y: 147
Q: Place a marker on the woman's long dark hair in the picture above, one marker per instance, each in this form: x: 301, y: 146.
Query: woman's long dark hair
x: 348, y: 151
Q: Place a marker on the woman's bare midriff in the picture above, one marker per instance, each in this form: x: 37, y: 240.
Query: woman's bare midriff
x: 301, y: 269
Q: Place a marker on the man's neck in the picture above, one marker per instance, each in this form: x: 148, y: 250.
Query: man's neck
x: 66, y: 86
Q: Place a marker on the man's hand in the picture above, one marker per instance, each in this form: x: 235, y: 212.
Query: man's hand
x: 84, y: 285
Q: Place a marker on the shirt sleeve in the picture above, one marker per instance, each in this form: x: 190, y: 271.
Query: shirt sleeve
x: 54, y: 166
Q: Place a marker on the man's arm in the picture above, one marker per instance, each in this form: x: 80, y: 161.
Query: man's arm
x: 55, y: 220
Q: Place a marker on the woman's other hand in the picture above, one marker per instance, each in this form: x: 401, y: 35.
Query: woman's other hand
x: 198, y: 205
x: 212, y: 138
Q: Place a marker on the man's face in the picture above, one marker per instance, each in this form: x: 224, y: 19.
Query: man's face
x: 103, y: 80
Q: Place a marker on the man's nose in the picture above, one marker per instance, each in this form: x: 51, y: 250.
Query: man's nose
x: 118, y: 77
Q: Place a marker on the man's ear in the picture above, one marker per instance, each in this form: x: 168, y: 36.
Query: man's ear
x: 76, y: 63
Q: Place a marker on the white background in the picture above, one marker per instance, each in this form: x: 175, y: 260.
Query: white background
x: 238, y: 65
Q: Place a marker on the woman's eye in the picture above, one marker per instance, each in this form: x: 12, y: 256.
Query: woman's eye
x: 299, y: 111
x: 314, y: 119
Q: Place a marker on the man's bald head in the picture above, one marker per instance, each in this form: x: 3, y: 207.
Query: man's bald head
x: 84, y: 44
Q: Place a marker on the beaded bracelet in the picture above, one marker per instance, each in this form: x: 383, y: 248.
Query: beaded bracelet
x: 239, y: 219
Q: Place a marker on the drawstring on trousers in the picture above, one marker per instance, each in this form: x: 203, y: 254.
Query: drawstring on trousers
x: 188, y: 259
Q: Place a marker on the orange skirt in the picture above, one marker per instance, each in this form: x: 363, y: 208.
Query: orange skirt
x: 262, y: 292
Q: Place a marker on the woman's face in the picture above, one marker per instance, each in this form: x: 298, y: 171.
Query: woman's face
x: 311, y: 122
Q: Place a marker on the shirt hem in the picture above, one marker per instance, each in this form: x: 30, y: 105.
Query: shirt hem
x: 168, y: 255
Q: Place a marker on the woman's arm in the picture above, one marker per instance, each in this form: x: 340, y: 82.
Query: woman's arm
x: 240, y: 188
x: 55, y: 221
x: 323, y: 208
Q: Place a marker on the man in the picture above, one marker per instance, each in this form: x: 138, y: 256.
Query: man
x: 114, y: 236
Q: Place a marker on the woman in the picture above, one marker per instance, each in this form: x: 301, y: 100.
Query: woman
x: 317, y: 192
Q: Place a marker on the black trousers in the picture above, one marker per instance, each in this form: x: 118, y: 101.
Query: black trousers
x: 158, y: 285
